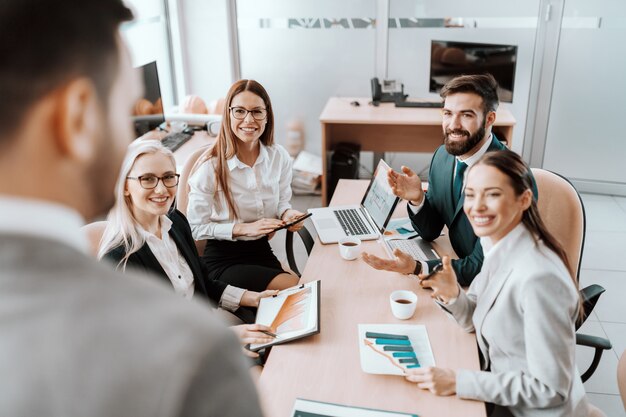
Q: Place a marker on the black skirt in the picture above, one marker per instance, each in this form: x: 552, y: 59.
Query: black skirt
x: 248, y: 264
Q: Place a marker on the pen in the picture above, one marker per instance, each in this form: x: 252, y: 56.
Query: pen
x: 436, y: 269
x: 299, y: 287
x: 268, y: 333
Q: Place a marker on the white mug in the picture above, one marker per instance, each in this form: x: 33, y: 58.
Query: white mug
x: 349, y: 247
x: 403, y: 304
x: 213, y: 128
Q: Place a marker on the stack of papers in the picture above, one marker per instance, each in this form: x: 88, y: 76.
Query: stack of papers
x: 307, y: 174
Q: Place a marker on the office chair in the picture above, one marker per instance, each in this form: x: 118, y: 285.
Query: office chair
x: 621, y: 377
x: 307, y: 239
x: 182, y: 194
x: 563, y: 213
x: 94, y: 232
x: 182, y: 201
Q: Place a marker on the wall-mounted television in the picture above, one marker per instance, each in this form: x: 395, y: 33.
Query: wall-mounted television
x: 450, y: 59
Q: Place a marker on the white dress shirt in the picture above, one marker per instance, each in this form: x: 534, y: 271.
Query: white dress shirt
x: 178, y: 270
x: 171, y: 260
x: 43, y: 219
x: 260, y: 191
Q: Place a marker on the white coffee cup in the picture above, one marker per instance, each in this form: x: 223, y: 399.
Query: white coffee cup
x: 403, y: 304
x: 177, y: 126
x: 213, y: 127
x: 349, y: 247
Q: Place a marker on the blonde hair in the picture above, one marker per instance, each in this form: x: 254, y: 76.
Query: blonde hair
x: 121, y: 229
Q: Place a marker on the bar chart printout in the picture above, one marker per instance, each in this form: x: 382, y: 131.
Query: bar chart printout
x: 391, y: 349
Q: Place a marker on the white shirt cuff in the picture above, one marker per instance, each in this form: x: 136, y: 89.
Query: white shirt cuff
x: 416, y: 209
x: 224, y: 231
x: 231, y: 298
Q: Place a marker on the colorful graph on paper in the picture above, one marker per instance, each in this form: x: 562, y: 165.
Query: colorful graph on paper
x: 390, y: 349
x: 291, y: 314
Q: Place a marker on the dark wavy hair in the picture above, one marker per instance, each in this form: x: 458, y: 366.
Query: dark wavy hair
x: 44, y: 44
x: 483, y: 85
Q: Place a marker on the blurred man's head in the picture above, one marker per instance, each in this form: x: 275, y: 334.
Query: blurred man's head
x: 469, y: 111
x: 67, y: 88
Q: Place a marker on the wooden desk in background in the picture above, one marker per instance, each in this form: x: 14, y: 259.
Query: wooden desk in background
x: 387, y: 128
x: 326, y: 366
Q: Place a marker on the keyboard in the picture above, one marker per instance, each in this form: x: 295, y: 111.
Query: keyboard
x: 419, y: 249
x: 426, y: 104
x: 173, y: 141
x: 351, y: 222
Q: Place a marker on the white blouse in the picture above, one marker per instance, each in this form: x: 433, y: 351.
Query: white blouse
x: 260, y: 191
x: 171, y: 260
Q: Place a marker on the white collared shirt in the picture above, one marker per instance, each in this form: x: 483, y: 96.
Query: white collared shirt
x: 260, y: 191
x: 171, y: 260
x: 43, y: 219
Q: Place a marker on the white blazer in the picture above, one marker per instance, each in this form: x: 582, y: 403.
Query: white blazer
x: 522, y: 307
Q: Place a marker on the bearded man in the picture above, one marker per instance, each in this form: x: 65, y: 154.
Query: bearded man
x: 469, y: 112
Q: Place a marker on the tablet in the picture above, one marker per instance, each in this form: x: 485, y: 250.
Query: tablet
x: 291, y: 223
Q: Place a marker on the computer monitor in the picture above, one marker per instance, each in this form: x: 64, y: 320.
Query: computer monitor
x: 450, y: 59
x: 148, y: 111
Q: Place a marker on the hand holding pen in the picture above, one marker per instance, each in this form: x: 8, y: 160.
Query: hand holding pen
x: 442, y: 280
x: 253, y: 334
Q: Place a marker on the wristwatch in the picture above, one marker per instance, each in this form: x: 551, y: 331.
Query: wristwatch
x: 418, y: 268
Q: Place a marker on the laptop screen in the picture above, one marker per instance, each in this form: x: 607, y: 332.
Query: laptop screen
x: 379, y: 200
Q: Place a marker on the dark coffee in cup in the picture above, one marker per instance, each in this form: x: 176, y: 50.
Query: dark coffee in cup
x: 402, y: 301
x: 349, y: 244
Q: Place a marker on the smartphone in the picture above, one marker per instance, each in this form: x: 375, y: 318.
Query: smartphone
x: 291, y: 223
x: 436, y: 269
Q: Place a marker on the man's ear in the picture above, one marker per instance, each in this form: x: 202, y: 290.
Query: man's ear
x: 490, y: 119
x: 77, y: 119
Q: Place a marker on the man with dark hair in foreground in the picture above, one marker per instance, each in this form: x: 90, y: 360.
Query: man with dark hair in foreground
x: 78, y: 339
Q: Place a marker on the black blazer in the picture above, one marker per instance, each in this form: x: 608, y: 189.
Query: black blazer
x: 181, y: 235
x: 439, y: 210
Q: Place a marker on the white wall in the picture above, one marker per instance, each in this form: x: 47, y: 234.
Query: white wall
x: 206, y: 50
x: 586, y: 139
x: 147, y: 39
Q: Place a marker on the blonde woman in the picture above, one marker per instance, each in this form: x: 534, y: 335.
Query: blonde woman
x: 143, y: 232
x: 239, y: 194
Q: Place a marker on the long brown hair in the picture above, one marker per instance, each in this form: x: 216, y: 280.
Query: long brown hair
x: 227, y: 143
x: 511, y: 164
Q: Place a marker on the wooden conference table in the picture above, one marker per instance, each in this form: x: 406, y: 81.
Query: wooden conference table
x: 326, y: 366
x: 387, y: 128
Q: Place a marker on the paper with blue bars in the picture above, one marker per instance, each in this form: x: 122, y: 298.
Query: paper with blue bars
x: 391, y: 349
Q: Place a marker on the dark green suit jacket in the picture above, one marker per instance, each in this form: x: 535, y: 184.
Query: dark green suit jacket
x: 439, y: 210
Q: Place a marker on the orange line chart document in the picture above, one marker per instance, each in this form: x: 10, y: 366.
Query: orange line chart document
x: 291, y: 314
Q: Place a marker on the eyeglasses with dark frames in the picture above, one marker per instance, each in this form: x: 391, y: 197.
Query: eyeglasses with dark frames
x: 150, y: 181
x: 240, y: 113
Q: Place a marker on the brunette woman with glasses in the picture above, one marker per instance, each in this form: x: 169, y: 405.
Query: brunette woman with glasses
x: 240, y: 192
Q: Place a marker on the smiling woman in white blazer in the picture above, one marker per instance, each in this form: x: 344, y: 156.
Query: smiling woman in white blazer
x: 523, y: 305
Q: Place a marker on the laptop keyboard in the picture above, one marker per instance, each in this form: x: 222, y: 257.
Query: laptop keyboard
x: 351, y: 222
x: 173, y: 141
x: 410, y: 246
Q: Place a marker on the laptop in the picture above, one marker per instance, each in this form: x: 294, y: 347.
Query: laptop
x: 367, y: 220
